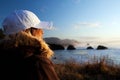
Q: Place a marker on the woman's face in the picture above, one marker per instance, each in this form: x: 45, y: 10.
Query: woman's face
x: 37, y: 33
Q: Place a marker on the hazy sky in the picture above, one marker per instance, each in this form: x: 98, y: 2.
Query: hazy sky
x: 83, y: 20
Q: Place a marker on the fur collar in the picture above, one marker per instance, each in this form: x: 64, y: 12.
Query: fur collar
x: 24, y: 39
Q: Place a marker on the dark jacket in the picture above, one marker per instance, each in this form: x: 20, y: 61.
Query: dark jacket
x: 24, y: 62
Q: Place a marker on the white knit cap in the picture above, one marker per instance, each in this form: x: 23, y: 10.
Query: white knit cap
x: 21, y: 20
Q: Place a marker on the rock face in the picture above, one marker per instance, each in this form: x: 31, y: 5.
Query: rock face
x: 56, y: 46
x: 71, y: 47
x: 100, y: 47
x: 90, y: 47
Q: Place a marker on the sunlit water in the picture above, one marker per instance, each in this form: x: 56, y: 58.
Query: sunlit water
x: 112, y: 55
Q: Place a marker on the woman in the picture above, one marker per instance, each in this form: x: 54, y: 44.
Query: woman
x: 24, y: 54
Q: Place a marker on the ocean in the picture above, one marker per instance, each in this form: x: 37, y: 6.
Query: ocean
x: 83, y: 55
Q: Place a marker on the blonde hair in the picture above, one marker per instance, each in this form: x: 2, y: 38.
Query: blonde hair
x: 26, y: 38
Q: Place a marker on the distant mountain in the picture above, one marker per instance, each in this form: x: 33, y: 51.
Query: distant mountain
x: 63, y: 42
x: 53, y: 40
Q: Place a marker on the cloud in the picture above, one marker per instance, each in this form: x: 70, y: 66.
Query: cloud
x: 86, y: 24
x: 90, y: 38
x: 114, y: 23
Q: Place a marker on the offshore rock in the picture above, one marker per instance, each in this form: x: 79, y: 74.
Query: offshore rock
x: 56, y: 46
x: 71, y: 47
x: 100, y: 47
x: 90, y: 47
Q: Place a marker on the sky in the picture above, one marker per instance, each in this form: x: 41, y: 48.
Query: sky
x: 87, y: 21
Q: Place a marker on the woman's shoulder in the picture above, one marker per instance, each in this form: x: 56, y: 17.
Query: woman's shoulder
x: 39, y: 59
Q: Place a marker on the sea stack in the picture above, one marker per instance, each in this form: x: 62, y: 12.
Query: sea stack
x: 90, y: 47
x: 71, y: 47
x: 100, y: 47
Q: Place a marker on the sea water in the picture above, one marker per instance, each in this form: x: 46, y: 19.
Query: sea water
x: 83, y: 55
